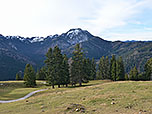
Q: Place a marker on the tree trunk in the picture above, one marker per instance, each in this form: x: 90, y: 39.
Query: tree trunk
x: 80, y: 83
x: 66, y: 85
x: 58, y: 86
x: 53, y: 86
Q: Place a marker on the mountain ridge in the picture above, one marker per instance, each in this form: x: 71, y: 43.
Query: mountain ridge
x: 17, y: 50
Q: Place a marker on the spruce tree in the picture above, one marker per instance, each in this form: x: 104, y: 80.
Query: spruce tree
x: 73, y: 73
x: 41, y: 75
x: 141, y: 76
x: 93, y: 69
x: 107, y: 68
x: 101, y: 69
x: 58, y: 59
x: 126, y: 77
x: 120, y: 72
x: 87, y: 69
x: 104, y: 68
x: 19, y: 76
x: 29, y: 76
x: 133, y: 75
x: 50, y: 72
x: 148, y: 70
x: 65, y: 68
x: 113, y: 68
x: 77, y: 65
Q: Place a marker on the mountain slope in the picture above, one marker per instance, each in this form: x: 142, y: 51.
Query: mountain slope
x: 133, y: 53
x: 16, y: 51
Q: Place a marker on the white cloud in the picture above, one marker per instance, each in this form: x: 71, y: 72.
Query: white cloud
x: 115, y: 13
x: 140, y: 36
x: 148, y: 29
x: 37, y: 17
x: 45, y: 17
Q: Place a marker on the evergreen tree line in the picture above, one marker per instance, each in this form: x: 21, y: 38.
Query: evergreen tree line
x: 59, y: 70
x: 146, y: 75
x: 111, y: 69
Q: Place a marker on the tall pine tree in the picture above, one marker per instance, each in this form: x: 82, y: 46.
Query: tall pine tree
x: 50, y: 72
x: 120, y: 72
x: 148, y: 70
x: 19, y: 76
x: 133, y: 75
x: 113, y: 68
x: 87, y: 69
x: 41, y: 74
x: 93, y: 69
x: 29, y: 76
x: 126, y: 77
x: 101, y: 69
x: 104, y: 68
x: 58, y: 59
x: 65, y: 68
x: 77, y: 66
x: 107, y: 68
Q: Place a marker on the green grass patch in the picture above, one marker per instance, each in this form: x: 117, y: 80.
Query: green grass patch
x: 10, y: 90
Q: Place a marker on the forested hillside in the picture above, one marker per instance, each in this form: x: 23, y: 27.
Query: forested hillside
x: 16, y: 51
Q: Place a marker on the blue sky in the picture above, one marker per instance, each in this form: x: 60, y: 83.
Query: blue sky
x: 110, y: 19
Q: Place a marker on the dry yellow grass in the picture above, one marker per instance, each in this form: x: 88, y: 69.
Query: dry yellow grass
x: 99, y: 97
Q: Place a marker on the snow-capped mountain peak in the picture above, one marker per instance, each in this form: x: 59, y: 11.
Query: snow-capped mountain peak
x: 73, y: 36
x: 73, y: 32
x: 76, y: 36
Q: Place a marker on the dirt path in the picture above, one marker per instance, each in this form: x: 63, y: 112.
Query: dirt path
x: 25, y: 97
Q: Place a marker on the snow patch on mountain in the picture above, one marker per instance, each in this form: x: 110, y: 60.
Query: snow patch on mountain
x: 15, y: 37
x: 78, y: 39
x: 37, y: 39
x: 31, y: 40
x: 76, y: 36
x: 22, y: 39
x: 73, y: 32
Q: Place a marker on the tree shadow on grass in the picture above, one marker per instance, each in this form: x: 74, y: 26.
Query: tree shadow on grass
x: 79, y: 86
x: 85, y: 84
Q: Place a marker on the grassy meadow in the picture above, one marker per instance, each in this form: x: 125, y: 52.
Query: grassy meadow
x: 10, y: 90
x: 95, y: 97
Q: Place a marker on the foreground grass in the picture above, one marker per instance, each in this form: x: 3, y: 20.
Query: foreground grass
x: 98, y: 97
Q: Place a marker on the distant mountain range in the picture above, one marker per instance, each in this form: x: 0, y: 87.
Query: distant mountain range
x: 136, y: 41
x: 16, y: 51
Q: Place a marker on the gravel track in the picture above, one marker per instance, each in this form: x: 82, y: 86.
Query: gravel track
x: 25, y: 97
